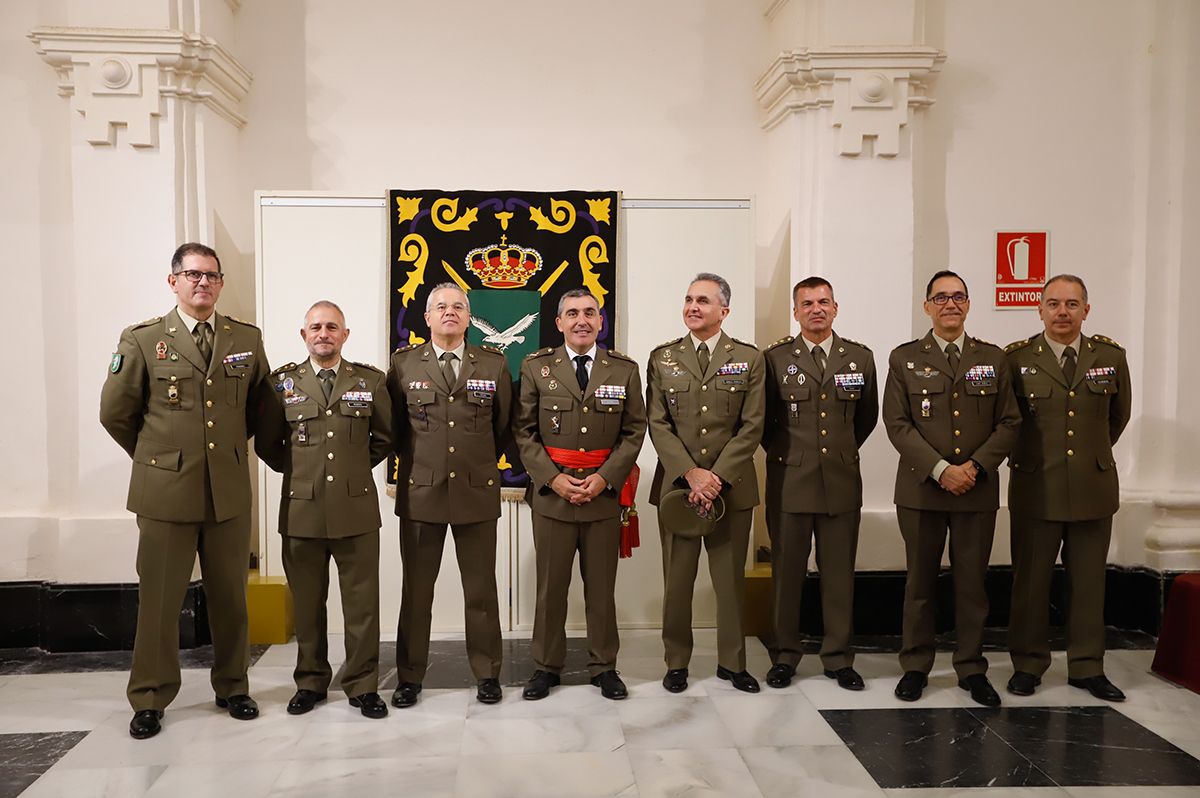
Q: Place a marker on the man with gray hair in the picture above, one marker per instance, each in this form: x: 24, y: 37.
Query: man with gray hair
x: 451, y: 403
x: 330, y: 424
x: 706, y: 406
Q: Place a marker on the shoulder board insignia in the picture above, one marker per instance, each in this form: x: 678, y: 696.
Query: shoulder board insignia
x: 242, y: 322
x: 492, y: 349
x: 1105, y: 339
x: 743, y: 343
x: 620, y: 356
x: 786, y: 339
x: 856, y: 343
x: 367, y: 366
x: 281, y: 369
x: 668, y: 343
x: 985, y: 343
x: 408, y: 348
x: 540, y: 353
x: 1015, y: 345
x: 147, y: 322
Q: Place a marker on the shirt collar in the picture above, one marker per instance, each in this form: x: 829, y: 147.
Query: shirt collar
x: 712, y: 342
x: 826, y: 345
x: 591, y: 353
x: 191, y: 323
x: 459, y: 352
x: 959, y: 341
x: 317, y: 369
x: 1058, y: 348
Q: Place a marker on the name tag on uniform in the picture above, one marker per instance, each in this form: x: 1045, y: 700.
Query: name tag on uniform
x: 357, y: 396
x: 980, y: 373
x: 852, y: 380
x: 294, y: 399
x: 733, y: 368
x: 610, y: 394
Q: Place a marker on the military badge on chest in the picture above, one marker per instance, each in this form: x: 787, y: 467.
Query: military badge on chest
x: 982, y: 376
x: 610, y: 395
x: 481, y: 389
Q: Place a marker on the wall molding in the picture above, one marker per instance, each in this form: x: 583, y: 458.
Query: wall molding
x: 121, y: 77
x: 869, y: 90
x: 1173, y: 539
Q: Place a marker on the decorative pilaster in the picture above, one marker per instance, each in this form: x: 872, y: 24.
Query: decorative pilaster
x: 869, y: 90
x: 1173, y: 539
x: 121, y: 77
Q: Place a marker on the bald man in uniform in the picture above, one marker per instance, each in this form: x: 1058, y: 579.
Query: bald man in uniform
x: 182, y: 398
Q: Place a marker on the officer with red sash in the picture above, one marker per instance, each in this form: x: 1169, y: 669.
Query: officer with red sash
x: 579, y: 424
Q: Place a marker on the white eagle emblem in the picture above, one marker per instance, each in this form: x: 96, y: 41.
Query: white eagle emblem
x: 505, y: 339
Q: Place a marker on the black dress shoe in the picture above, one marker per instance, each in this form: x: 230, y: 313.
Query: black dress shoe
x: 742, y: 680
x: 303, y: 701
x: 676, y: 680
x: 241, y: 707
x: 539, y: 685
x: 370, y: 704
x: 145, y: 723
x: 847, y: 678
x: 405, y: 694
x: 780, y: 674
x: 610, y: 685
x: 488, y: 691
x: 911, y: 685
x: 981, y: 690
x: 1099, y: 686
x: 1023, y: 683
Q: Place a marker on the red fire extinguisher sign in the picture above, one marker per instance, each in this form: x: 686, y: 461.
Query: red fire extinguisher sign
x: 1021, y: 268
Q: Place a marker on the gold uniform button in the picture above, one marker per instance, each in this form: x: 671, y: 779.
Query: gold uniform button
x: 1070, y: 433
x: 704, y: 451
x: 357, y: 413
x: 556, y: 407
x: 208, y: 403
x: 451, y: 400
x: 208, y: 382
x: 822, y: 414
x: 329, y: 412
x: 1071, y: 413
x: 702, y: 387
x: 1070, y: 452
x: 982, y: 391
x: 451, y: 423
x: 1031, y: 396
x: 585, y: 408
x: 957, y: 432
x: 955, y: 394
x: 453, y: 475
x: 1070, y: 393
x: 703, y: 408
x: 208, y: 424
x: 956, y: 414
x: 329, y: 456
x: 703, y: 431
x: 823, y: 396
x: 410, y: 481
x: 153, y: 461
x: 329, y: 434
x: 780, y: 459
x: 291, y: 493
x: 583, y: 429
x: 212, y: 446
x: 957, y: 450
x: 824, y: 450
x: 451, y: 450
x: 824, y: 432
x: 491, y: 482
x: 923, y: 392
x: 329, y: 478
x: 732, y: 388
x: 173, y: 378
x: 578, y: 470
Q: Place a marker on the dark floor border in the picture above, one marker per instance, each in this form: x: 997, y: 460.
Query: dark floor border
x: 103, y: 617
x: 86, y: 617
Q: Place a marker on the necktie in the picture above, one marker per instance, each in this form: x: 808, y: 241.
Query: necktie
x: 581, y: 372
x: 952, y: 356
x: 702, y: 356
x: 819, y: 356
x: 326, y: 378
x: 202, y: 335
x: 448, y: 359
x: 1068, y: 364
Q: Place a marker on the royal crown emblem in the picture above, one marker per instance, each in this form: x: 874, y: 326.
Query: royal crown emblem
x: 504, y: 265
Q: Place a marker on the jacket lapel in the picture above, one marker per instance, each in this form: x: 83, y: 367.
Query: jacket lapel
x: 466, y: 369
x: 564, y: 370
x: 836, y: 360
x: 934, y: 355
x: 600, y: 373
x: 685, y: 354
x: 307, y: 382
x: 433, y: 369
x: 1085, y: 361
x: 721, y: 354
x: 222, y: 343
x: 1045, y: 360
x: 181, y: 339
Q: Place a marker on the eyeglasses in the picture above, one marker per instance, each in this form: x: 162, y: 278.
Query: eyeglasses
x: 457, y: 307
x: 941, y: 299
x: 194, y: 277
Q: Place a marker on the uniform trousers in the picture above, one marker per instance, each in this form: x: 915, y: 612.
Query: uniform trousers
x: 165, y: 558
x: 1035, y: 547
x: 726, y: 547
x: 924, y: 534
x: 837, y: 545
x: 598, y: 544
x: 421, y: 547
x: 306, y: 563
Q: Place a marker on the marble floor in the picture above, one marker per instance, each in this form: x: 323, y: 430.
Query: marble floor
x: 63, y: 732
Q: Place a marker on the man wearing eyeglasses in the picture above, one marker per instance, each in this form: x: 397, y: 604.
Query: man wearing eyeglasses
x: 182, y: 398
x: 949, y: 410
x: 1074, y: 394
x: 451, y: 402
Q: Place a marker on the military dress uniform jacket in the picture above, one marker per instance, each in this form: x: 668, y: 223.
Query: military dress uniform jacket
x: 552, y: 411
x: 932, y: 415
x: 1062, y: 465
x: 815, y: 425
x: 449, y: 438
x: 713, y: 420
x: 326, y: 450
x: 183, y: 422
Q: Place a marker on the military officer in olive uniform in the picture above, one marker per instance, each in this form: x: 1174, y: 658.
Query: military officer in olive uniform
x: 330, y: 425
x: 579, y: 424
x: 705, y: 404
x: 949, y: 410
x: 182, y: 397
x: 822, y: 403
x: 451, y: 402
x: 1074, y: 394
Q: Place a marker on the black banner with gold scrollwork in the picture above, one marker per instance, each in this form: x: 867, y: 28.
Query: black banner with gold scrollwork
x: 515, y: 253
